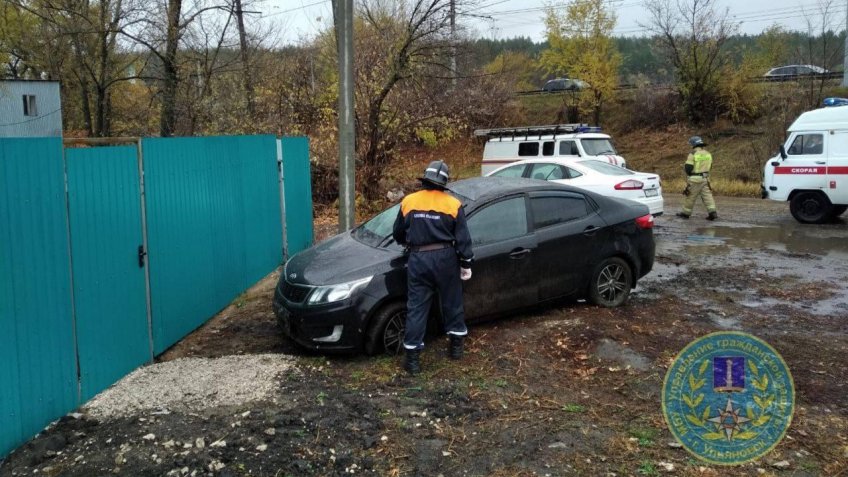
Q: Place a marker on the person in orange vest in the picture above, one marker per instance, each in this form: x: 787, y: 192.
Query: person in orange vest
x: 431, y: 224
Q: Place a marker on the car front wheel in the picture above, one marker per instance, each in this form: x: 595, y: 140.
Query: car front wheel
x: 810, y: 207
x: 386, y: 331
x: 611, y: 283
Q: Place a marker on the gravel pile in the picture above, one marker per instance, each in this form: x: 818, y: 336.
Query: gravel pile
x: 192, y: 385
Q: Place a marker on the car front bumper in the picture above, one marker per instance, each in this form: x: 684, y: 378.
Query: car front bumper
x: 330, y: 327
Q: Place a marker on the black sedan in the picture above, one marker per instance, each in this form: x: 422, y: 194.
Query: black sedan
x: 534, y: 242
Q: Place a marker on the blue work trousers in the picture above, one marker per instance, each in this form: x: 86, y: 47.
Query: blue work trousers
x: 428, y: 273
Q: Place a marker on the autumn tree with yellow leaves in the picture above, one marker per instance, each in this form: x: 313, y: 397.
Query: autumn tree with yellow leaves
x: 581, y: 45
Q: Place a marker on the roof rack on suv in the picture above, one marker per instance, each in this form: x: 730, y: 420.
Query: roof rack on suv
x: 527, y: 131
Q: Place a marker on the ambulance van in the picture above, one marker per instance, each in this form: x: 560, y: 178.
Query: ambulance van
x: 811, y: 171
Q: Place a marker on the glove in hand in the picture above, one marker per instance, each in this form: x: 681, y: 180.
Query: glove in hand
x: 464, y: 273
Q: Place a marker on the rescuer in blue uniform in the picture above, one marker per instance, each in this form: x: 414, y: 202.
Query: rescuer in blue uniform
x: 431, y: 223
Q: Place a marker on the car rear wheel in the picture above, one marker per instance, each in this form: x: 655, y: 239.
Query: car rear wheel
x: 810, y: 207
x: 611, y: 283
x: 386, y: 331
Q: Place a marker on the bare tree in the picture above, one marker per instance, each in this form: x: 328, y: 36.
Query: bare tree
x: 693, y: 34
x: 399, y: 42
x: 823, y: 46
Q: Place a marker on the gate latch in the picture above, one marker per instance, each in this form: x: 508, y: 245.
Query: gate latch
x: 141, y: 255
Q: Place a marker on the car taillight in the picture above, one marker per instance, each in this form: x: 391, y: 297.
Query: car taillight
x: 645, y: 222
x: 631, y: 184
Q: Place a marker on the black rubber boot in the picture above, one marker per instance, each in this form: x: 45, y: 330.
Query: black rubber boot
x: 412, y: 364
x: 682, y: 215
x: 455, y: 350
x: 712, y: 216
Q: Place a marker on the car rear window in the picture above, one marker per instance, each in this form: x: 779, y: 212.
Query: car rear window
x: 547, y: 172
x: 553, y: 210
x: 605, y: 168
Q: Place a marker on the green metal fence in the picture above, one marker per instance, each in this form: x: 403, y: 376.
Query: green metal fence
x: 213, y: 227
x: 38, y: 371
x: 149, y: 241
x: 104, y: 205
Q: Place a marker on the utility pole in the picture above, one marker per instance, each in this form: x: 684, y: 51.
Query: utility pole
x: 347, y: 133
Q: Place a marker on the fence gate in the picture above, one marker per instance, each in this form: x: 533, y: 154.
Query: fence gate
x: 110, y: 296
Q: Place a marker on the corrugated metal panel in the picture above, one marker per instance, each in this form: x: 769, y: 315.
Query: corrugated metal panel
x: 213, y: 225
x: 47, y: 121
x: 37, y: 360
x: 109, y: 286
x: 298, y: 194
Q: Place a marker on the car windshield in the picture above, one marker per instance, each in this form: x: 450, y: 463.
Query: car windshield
x: 378, y: 229
x: 597, y: 146
x: 605, y: 168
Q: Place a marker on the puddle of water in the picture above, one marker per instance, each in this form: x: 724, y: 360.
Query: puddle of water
x: 612, y: 351
x: 823, y: 241
x: 667, y: 271
x: 725, y: 322
x: 812, y: 253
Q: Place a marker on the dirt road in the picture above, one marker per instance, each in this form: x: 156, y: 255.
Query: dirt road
x: 570, y: 390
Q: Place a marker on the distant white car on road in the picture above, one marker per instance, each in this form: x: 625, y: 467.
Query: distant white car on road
x: 593, y: 175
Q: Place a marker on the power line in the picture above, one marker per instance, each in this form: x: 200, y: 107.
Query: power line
x: 302, y: 7
x: 31, y: 120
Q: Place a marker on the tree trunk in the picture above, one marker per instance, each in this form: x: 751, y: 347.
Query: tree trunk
x: 86, y: 107
x: 248, y: 79
x: 168, y: 116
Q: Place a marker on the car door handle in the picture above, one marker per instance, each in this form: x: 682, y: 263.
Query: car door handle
x: 519, y: 253
x: 821, y: 162
x: 590, y: 230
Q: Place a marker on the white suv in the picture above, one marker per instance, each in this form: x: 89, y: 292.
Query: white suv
x: 558, y: 141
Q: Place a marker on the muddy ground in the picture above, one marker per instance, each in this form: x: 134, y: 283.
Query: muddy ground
x: 569, y: 390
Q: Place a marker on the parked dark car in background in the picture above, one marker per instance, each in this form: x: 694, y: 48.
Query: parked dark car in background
x: 534, y: 242
x: 564, y: 84
x: 794, y: 71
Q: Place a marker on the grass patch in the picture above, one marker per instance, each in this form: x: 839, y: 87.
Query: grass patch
x: 645, y: 435
x: 647, y: 467
x: 720, y: 186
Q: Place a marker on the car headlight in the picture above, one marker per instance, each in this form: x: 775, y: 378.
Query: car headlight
x: 338, y: 292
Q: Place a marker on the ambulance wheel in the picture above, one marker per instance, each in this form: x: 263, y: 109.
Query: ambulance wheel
x: 838, y: 210
x: 386, y: 331
x: 810, y: 207
x: 611, y: 283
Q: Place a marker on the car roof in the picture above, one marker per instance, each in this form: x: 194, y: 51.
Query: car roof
x: 481, y: 188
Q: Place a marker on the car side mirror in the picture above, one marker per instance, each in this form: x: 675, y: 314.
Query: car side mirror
x: 783, y: 152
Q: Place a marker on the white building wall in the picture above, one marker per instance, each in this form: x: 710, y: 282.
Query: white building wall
x: 48, y: 120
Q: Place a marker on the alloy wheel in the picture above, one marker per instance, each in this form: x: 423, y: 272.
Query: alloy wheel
x: 612, y: 282
x: 393, y: 333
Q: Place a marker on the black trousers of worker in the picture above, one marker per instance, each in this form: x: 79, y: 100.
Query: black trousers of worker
x: 428, y: 273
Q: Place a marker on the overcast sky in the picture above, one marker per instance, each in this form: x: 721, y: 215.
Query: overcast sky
x: 297, y: 19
